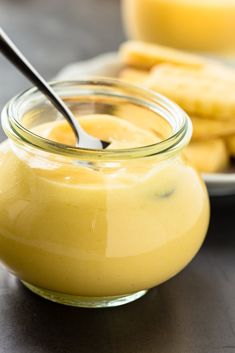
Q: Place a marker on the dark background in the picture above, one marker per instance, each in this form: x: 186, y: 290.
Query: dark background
x: 192, y: 313
x: 54, y: 33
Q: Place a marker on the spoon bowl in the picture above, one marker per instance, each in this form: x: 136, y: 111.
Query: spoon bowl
x: 14, y: 55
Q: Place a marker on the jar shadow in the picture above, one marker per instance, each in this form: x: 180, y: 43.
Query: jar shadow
x: 165, y: 320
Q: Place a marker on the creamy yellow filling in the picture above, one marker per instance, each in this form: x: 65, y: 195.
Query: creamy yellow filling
x: 102, y: 229
x: 196, y: 25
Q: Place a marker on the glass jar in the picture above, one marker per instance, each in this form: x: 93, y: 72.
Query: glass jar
x: 206, y: 26
x: 97, y: 228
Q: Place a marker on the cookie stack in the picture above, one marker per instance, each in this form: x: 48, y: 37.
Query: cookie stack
x: 204, y: 88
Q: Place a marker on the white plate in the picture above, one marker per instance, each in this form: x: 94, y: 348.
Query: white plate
x: 108, y: 65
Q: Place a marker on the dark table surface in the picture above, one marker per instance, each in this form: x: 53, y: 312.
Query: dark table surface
x: 193, y: 312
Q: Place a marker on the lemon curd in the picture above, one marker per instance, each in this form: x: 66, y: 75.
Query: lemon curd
x: 196, y: 25
x: 98, y: 228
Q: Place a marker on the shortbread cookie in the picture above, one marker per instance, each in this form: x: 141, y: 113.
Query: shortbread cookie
x: 134, y: 76
x: 208, y: 156
x: 230, y: 141
x: 145, y: 55
x: 204, y: 128
x: 199, y: 92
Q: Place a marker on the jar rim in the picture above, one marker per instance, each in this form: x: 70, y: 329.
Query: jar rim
x: 180, y: 123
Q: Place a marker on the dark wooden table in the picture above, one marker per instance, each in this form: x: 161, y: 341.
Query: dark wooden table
x: 192, y: 313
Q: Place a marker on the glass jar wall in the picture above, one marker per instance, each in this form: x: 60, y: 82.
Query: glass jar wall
x: 98, y: 228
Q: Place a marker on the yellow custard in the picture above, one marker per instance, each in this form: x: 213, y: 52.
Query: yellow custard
x: 110, y: 230
x: 196, y: 25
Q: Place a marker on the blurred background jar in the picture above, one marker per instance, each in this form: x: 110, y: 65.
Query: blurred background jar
x: 206, y: 26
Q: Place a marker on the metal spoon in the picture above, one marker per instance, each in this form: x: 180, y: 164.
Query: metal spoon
x: 13, y: 54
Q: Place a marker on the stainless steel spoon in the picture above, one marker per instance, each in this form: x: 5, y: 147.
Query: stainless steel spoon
x: 13, y: 54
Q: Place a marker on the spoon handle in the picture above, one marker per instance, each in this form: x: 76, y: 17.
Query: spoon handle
x: 13, y: 54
